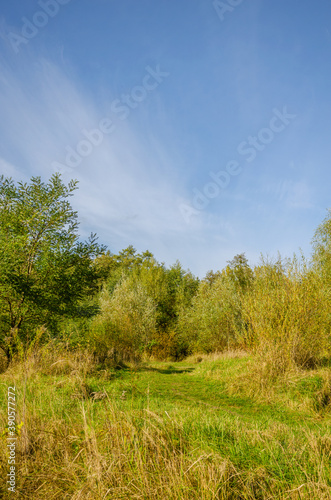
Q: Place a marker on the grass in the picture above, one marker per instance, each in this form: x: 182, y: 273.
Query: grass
x: 205, y: 428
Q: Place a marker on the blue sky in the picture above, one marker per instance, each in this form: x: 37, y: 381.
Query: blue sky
x: 197, y: 129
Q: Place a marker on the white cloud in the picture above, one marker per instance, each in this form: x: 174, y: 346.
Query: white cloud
x: 129, y: 190
x: 292, y: 194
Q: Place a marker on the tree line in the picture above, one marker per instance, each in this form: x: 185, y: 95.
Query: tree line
x: 127, y: 306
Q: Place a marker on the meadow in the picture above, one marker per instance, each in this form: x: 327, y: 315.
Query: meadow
x: 123, y: 378
x: 208, y: 427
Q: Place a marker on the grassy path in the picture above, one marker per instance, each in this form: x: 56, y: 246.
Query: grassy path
x: 168, y: 385
x: 180, y: 431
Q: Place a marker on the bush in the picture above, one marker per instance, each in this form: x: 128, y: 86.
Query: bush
x: 126, y: 323
x: 213, y: 322
x: 287, y: 315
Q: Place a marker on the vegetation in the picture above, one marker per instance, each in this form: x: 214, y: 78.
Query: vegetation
x: 190, y: 430
x: 45, y: 271
x: 135, y: 380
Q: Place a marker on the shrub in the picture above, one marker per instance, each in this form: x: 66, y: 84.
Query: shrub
x: 126, y: 323
x: 287, y: 314
x: 213, y: 322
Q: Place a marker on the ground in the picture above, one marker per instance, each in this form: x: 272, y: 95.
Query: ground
x: 205, y: 428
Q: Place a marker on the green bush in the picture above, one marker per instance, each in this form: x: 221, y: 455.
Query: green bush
x: 287, y: 314
x: 126, y: 323
x: 213, y: 322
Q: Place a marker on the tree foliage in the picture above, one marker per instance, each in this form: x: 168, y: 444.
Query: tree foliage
x: 322, y: 249
x: 213, y: 322
x: 45, y: 270
x: 288, y: 313
x: 130, y: 304
x: 239, y: 272
x: 126, y: 323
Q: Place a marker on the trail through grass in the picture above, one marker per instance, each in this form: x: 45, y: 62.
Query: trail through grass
x: 184, y: 430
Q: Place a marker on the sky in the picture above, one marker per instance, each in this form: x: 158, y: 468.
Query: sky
x: 197, y: 129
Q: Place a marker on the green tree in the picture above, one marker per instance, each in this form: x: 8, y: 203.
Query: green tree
x: 45, y: 271
x: 114, y: 268
x: 239, y: 272
x: 213, y: 322
x: 126, y: 323
x: 212, y: 276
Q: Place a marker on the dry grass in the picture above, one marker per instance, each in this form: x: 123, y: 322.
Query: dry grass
x: 74, y: 445
x: 216, y: 356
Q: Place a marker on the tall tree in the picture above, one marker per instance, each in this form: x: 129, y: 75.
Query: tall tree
x: 44, y: 269
x: 239, y: 271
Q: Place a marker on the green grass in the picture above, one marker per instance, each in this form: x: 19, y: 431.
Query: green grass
x: 183, y: 430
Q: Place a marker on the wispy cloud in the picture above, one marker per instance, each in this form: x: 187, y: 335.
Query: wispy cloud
x: 291, y: 194
x: 128, y: 188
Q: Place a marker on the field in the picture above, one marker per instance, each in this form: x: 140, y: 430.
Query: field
x: 209, y: 427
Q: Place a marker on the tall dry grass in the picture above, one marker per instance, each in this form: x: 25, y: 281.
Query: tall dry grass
x: 74, y: 445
